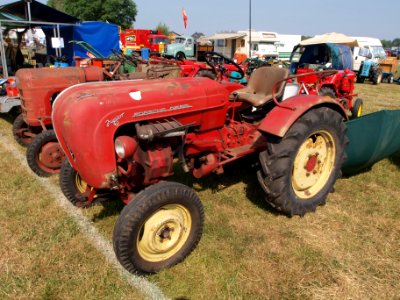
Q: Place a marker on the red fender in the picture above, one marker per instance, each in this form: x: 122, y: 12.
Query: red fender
x: 282, y: 117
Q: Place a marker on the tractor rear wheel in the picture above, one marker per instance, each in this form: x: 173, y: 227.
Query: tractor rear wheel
x: 44, y: 154
x: 377, y: 76
x: 159, y: 228
x: 21, y: 131
x: 299, y: 170
x: 327, y: 91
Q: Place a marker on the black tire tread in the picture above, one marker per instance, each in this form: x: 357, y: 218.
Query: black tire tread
x: 134, y: 214
x: 17, y: 125
x: 34, y: 148
x: 276, y: 162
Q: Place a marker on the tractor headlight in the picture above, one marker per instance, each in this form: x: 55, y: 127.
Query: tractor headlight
x: 125, y: 146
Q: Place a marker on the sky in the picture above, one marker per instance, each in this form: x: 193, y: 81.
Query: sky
x: 380, y: 19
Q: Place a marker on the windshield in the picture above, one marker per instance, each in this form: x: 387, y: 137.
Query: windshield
x: 180, y: 40
x: 160, y: 41
x: 296, y: 54
x: 378, y: 51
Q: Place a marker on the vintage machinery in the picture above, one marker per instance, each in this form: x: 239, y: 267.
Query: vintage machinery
x: 327, y: 56
x: 134, y: 130
x: 39, y: 87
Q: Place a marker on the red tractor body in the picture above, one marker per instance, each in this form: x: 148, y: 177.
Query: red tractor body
x: 341, y: 83
x: 192, y: 102
x: 201, y: 102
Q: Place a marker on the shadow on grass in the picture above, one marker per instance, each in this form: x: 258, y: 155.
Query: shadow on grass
x: 243, y: 170
x: 395, y: 159
x: 10, y: 116
x: 111, y: 207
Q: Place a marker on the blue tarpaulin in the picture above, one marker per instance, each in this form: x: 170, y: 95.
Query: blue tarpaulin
x: 102, y: 36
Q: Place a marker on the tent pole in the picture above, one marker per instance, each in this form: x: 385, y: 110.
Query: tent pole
x: 29, y: 10
x: 3, y: 54
x: 59, y: 38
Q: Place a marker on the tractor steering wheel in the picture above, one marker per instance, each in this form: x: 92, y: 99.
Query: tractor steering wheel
x: 219, y: 68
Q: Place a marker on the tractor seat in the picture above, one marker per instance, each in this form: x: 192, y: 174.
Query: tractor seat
x: 259, y: 88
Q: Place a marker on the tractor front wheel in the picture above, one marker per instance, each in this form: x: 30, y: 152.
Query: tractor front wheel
x: 356, y: 110
x: 299, y: 170
x: 44, y: 154
x: 180, y: 56
x: 159, y: 228
x: 74, y: 188
x: 21, y: 131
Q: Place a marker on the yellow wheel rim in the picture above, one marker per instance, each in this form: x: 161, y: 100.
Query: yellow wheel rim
x: 359, y: 111
x: 164, y: 233
x: 80, y: 184
x: 313, y: 164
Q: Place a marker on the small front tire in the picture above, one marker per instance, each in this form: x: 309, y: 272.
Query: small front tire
x: 158, y: 228
x: 74, y: 188
x: 21, y: 131
x: 357, y: 108
x: 44, y: 154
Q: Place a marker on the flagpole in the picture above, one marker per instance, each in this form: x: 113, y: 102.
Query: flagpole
x: 249, y: 28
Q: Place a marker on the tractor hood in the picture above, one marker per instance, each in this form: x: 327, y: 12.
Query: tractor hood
x: 87, y: 116
x: 38, y: 86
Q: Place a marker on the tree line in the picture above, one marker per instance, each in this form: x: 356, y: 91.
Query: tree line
x: 390, y: 44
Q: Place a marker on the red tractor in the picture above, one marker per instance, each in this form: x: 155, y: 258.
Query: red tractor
x: 327, y: 56
x: 39, y: 88
x: 133, y: 132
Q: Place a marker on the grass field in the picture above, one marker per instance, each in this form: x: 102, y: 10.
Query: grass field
x: 348, y: 249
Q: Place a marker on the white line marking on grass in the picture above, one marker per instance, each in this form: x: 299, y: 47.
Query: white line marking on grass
x: 145, y: 287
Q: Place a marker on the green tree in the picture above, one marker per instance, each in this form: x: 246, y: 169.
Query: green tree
x: 57, y: 4
x: 163, y: 28
x: 120, y: 12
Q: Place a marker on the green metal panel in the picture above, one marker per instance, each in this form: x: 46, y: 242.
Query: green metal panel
x: 372, y: 138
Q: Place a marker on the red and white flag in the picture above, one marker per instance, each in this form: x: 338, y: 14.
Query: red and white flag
x: 185, y: 18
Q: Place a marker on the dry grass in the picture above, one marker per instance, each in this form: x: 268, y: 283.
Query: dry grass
x: 348, y: 249
x: 43, y: 255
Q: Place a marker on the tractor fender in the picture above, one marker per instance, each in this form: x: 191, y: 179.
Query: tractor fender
x: 282, y: 117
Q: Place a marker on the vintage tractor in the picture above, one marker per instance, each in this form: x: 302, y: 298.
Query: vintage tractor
x: 39, y: 88
x: 133, y: 132
x: 327, y: 56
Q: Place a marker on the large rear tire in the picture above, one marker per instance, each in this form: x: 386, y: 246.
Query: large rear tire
x: 44, y: 154
x: 158, y: 228
x: 300, y: 169
x: 377, y: 76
